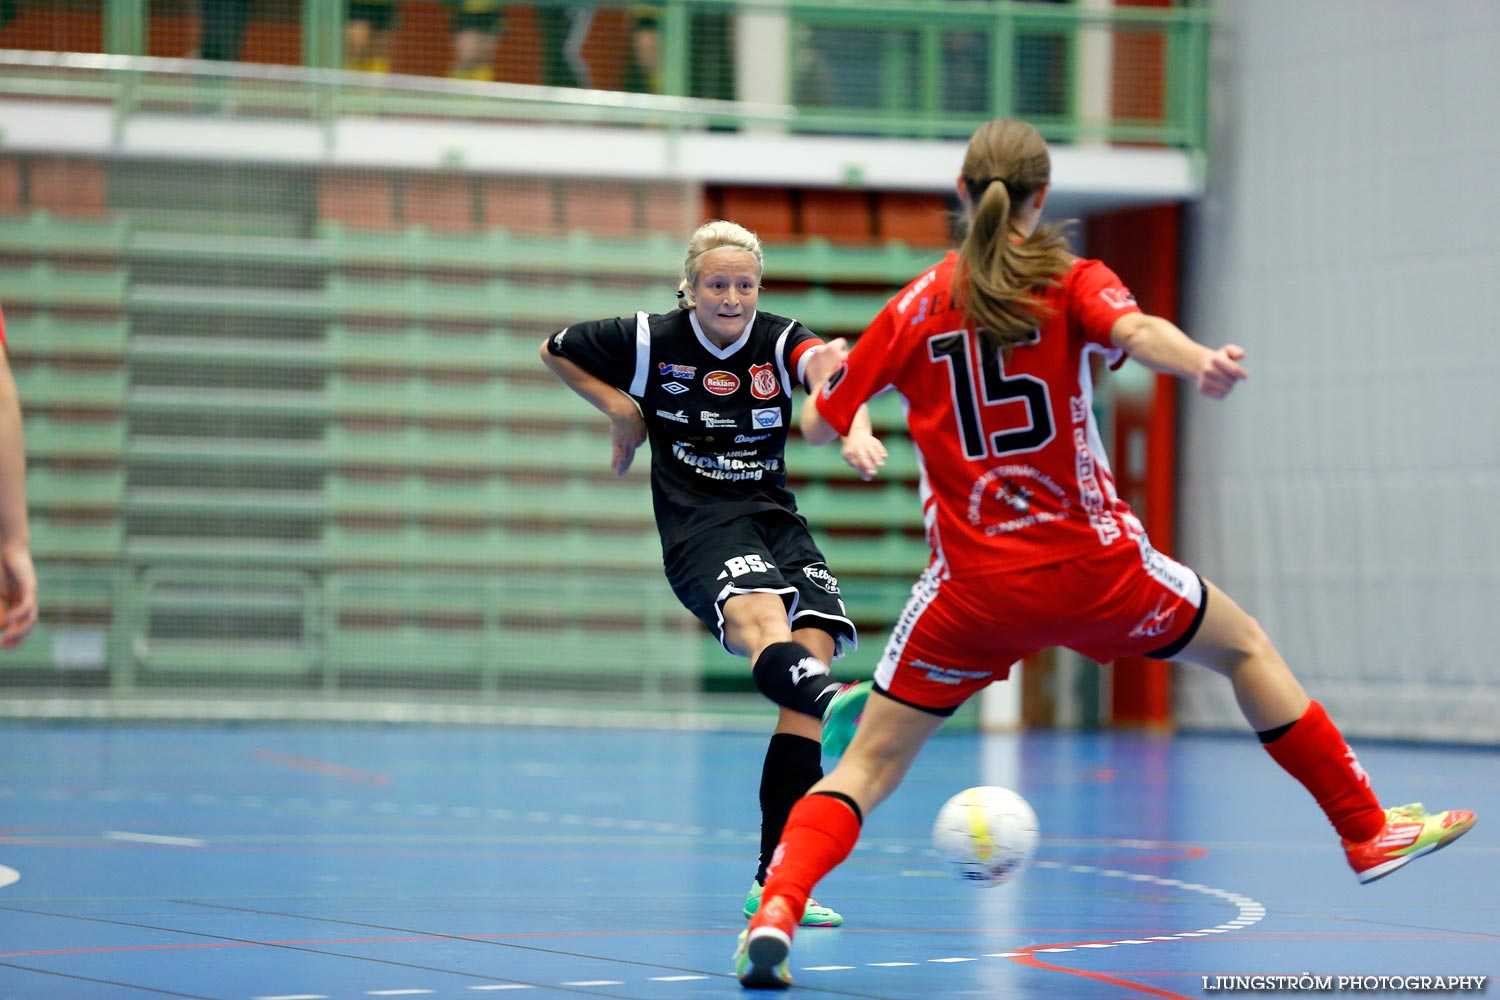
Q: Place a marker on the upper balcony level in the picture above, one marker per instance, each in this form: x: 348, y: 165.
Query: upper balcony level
x: 877, y: 94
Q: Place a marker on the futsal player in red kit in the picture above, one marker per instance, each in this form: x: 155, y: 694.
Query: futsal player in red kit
x: 1031, y: 546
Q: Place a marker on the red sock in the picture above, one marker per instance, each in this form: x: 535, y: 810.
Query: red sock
x: 819, y: 834
x: 1314, y: 752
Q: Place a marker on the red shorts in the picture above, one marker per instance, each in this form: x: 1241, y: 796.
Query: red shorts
x: 955, y: 637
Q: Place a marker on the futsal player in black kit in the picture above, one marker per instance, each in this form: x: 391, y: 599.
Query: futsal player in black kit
x: 710, y: 384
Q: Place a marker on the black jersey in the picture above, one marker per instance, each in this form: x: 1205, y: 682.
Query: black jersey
x: 716, y: 418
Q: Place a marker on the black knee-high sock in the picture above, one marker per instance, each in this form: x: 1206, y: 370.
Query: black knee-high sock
x: 788, y: 674
x: 793, y: 765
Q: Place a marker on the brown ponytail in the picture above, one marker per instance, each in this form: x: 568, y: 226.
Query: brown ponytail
x: 999, y: 275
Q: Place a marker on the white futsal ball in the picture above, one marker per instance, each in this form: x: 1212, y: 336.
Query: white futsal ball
x: 987, y: 834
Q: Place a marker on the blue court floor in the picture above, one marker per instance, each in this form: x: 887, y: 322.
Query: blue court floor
x: 300, y: 862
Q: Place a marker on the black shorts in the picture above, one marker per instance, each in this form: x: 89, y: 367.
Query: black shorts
x: 381, y: 16
x: 772, y: 552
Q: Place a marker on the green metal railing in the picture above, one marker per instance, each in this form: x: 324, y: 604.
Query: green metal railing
x: 899, y: 68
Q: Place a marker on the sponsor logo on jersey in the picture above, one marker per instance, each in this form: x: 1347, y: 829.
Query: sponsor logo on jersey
x: 918, y: 286
x: 1004, y: 500
x: 721, y: 383
x: 1078, y: 409
x: 750, y: 562
x: 763, y: 384
x: 818, y: 574
x: 712, y: 419
x: 724, y: 467
x: 947, y: 675
x: 679, y: 416
x: 749, y: 438
x: 1091, y: 490
x: 1156, y: 623
x: 670, y: 370
x: 674, y: 387
x: 1118, y: 298
x: 769, y: 417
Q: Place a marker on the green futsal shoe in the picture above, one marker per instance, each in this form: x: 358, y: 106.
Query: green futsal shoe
x: 760, y: 961
x: 762, y: 964
x: 845, y: 709
x: 813, y: 915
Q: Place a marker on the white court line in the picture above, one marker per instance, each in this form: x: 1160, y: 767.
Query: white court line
x: 152, y: 838
x: 504, y: 986
x: 8, y: 875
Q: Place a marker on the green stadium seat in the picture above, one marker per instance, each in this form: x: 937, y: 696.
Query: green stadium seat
x: 230, y: 302
x: 490, y: 399
x: 243, y: 553
x: 219, y: 453
x: 60, y: 387
x: 246, y: 503
x: 415, y: 496
x: 825, y: 312
x: 57, y: 538
x: 879, y: 504
x: 820, y: 261
x: 414, y: 446
x: 804, y: 461
x: 42, y: 233
x: 194, y: 354
x: 52, y: 646
x: 67, y: 487
x: 421, y: 348
x: 892, y: 554
x: 45, y: 285
x: 77, y: 590
x: 495, y: 547
x: 876, y: 601
x: 413, y: 650
x: 186, y: 400
x: 55, y: 436
x: 598, y: 500
x: 44, y: 336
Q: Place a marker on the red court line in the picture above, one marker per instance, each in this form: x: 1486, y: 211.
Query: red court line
x: 314, y: 766
x: 1031, y: 960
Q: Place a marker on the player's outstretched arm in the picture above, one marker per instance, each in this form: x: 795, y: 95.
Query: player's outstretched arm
x: 861, y: 449
x: 18, y: 588
x: 1160, y: 345
x: 627, y: 426
x: 821, y: 364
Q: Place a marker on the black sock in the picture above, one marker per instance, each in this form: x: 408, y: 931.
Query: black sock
x: 793, y: 765
x: 1272, y: 735
x: 788, y: 674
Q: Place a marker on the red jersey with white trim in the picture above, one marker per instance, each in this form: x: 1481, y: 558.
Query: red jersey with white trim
x: 1014, y: 474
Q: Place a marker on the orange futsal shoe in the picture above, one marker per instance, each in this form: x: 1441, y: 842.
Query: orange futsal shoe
x: 1409, y: 832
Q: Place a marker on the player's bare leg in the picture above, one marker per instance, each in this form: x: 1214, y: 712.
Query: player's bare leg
x: 1299, y: 735
x: 792, y: 670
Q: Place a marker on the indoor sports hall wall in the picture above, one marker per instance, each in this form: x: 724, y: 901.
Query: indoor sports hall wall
x: 1349, y: 241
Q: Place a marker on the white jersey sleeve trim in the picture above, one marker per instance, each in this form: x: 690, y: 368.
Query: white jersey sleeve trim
x: 642, y: 354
